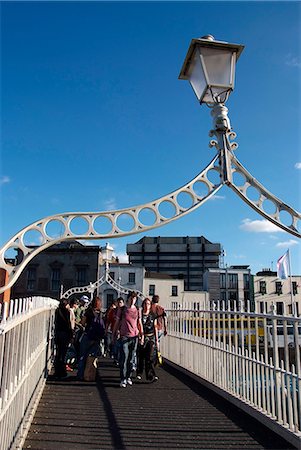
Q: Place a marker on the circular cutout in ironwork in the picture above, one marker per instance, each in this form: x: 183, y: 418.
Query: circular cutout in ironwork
x: 102, y: 225
x: 213, y: 176
x: 253, y: 194
x: 13, y: 256
x: 125, y: 222
x: 285, y: 218
x: 185, y: 200
x: 167, y: 209
x: 269, y: 206
x: 33, y: 238
x: 79, y: 226
x: 201, y: 189
x: 238, y: 178
x: 147, y: 217
x: 55, y: 228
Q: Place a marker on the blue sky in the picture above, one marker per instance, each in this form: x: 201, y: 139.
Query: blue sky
x: 94, y: 116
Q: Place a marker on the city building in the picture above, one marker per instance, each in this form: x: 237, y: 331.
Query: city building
x: 126, y: 276
x: 185, y: 258
x: 231, y: 285
x: 172, y: 293
x: 271, y: 293
x: 58, y: 268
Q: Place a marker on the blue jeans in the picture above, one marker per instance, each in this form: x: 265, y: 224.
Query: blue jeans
x: 127, y: 356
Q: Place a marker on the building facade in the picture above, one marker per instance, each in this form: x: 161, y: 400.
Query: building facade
x: 185, y: 258
x: 233, y: 286
x: 125, y: 275
x: 57, y: 269
x: 273, y: 294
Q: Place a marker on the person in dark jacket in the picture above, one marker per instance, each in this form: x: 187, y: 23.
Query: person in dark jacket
x: 63, y: 336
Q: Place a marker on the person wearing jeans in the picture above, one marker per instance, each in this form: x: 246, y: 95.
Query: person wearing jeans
x: 128, y: 324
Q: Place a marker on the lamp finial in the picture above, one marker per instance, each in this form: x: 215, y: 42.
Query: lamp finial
x: 209, y: 37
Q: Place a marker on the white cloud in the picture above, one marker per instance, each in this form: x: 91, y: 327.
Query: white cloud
x: 293, y: 61
x: 298, y: 165
x: 289, y: 243
x: 110, y: 204
x: 4, y: 179
x: 259, y: 226
x: 217, y: 197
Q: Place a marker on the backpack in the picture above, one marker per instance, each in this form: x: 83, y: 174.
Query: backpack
x: 96, y: 330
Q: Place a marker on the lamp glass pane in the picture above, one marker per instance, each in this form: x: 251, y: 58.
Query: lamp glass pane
x: 196, y: 75
x: 218, y: 65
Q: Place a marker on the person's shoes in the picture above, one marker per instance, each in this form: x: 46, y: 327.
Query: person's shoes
x: 129, y: 381
x: 123, y: 384
x: 139, y: 377
x: 153, y: 379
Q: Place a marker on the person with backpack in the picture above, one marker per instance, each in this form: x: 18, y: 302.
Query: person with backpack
x: 92, y: 338
x: 128, y: 324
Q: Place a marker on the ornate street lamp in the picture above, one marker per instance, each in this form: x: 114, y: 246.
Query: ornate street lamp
x: 107, y: 254
x: 209, y: 66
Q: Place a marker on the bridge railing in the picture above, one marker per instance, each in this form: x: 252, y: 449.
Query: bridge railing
x: 26, y: 347
x: 251, y: 358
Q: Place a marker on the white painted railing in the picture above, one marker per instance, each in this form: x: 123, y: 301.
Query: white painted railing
x: 26, y: 336
x: 252, y: 359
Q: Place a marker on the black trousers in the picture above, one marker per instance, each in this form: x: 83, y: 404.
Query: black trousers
x: 62, y: 340
x: 146, y: 358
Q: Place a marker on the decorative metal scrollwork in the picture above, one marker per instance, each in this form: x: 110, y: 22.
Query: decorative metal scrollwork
x: 90, y: 288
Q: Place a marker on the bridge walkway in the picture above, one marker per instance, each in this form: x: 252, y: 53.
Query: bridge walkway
x: 176, y: 412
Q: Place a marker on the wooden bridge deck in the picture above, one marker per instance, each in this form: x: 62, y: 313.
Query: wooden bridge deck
x: 176, y: 412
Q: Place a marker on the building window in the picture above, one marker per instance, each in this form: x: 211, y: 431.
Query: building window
x: 279, y: 308
x: 295, y: 288
x: 132, y: 278
x: 222, y: 281
x: 246, y: 281
x: 262, y: 287
x: 223, y: 296
x: 55, y: 279
x: 112, y: 275
x: 110, y: 298
x: 278, y: 287
x: 233, y: 280
x: 151, y: 289
x: 174, y: 291
x: 81, y: 276
x: 232, y: 295
x: 31, y: 278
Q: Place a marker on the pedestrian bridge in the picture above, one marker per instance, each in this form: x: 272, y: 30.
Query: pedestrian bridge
x: 231, y: 379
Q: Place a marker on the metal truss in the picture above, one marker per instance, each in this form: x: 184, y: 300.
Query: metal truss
x: 181, y: 202
x: 90, y: 288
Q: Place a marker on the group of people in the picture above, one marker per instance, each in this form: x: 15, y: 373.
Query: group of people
x: 131, y: 335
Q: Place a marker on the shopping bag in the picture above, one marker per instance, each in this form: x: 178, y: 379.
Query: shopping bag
x: 90, y: 369
x: 159, y: 359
